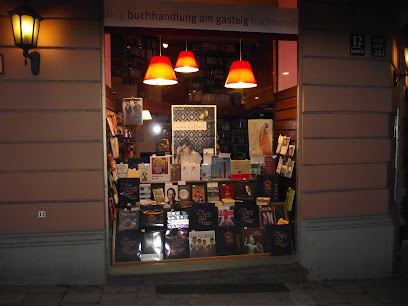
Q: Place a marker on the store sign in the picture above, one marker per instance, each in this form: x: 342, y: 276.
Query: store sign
x: 378, y: 45
x: 200, y: 16
x: 357, y: 44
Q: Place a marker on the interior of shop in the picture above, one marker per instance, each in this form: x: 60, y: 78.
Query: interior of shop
x: 202, y: 202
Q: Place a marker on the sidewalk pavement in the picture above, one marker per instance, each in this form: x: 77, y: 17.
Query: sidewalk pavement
x: 385, y: 291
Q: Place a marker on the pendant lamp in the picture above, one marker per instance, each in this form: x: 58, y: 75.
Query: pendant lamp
x: 160, y: 71
x: 186, y: 62
x: 240, y: 74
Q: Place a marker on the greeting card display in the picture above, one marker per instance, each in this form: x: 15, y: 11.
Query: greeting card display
x: 176, y: 244
x: 202, y: 243
x: 128, y: 191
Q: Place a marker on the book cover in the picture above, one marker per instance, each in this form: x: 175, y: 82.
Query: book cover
x: 213, y: 192
x: 227, y: 167
x: 205, y: 172
x: 184, y: 204
x: 176, y: 244
x: 253, y: 241
x: 113, y: 189
x: 122, y: 170
x: 144, y: 172
x: 175, y: 172
x: 151, y: 217
x: 217, y: 167
x: 207, y: 155
x: 152, y: 245
x: 128, y: 246
x: 270, y: 165
x: 195, y: 172
x: 225, y: 217
x: 267, y: 215
x: 160, y: 168
x: 171, y: 193
x: 227, y: 191
x: 291, y: 150
x: 185, y: 172
x: 177, y: 219
x: 204, y: 216
x: 279, y: 167
x: 268, y: 186
x: 114, y: 169
x: 112, y: 209
x: 227, y: 241
x: 290, y: 196
x: 279, y: 239
x: 285, y: 145
x: 280, y: 143
x: 260, y: 137
x: 246, y: 169
x: 255, y: 170
x: 290, y: 166
x: 158, y: 195
x: 128, y: 220
x: 202, y: 243
x: 236, y: 170
x: 114, y: 146
x: 184, y: 192
x: 111, y: 124
x: 198, y: 193
x: 145, y: 193
x: 128, y: 191
x: 246, y: 214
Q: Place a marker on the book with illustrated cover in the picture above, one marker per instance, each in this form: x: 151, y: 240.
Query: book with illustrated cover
x: 184, y: 204
x: 213, y: 192
x: 114, y: 169
x: 111, y: 120
x: 289, y: 167
x: 158, y: 194
x: 246, y: 214
x: 184, y: 192
x: 171, y: 194
x: 291, y: 150
x: 190, y: 172
x: 176, y: 244
x: 227, y: 191
x: 127, y: 246
x: 285, y: 145
x: 152, y: 245
x: 145, y: 191
x: 236, y: 170
x: 113, y: 189
x: 128, y: 220
x: 253, y: 241
x: 128, y: 191
x: 159, y: 168
x: 151, y: 217
x: 290, y: 196
x: 205, y: 172
x: 268, y: 186
x: 112, y: 209
x: 267, y: 215
x: 217, y: 167
x: 280, y: 143
x: 204, y: 216
x: 202, y: 243
x: 279, y: 167
x: 245, y: 191
x: 198, y: 193
x: 270, y: 165
x: 207, y: 155
x: 227, y: 241
x: 225, y: 217
x: 255, y: 170
x: 144, y: 172
x: 122, y: 170
x: 175, y: 170
x: 114, y: 142
x: 177, y: 219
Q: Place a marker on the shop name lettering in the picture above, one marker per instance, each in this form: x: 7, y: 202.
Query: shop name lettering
x: 194, y: 19
x: 189, y: 125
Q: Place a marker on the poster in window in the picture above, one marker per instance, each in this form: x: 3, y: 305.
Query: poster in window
x: 132, y: 111
x: 260, y: 137
x: 193, y: 129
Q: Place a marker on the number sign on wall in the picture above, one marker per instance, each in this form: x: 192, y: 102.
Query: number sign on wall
x: 357, y: 44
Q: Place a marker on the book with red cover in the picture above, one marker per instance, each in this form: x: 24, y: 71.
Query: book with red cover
x: 227, y: 191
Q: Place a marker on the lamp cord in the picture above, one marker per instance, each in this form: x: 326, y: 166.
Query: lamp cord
x: 240, y: 55
x: 160, y: 43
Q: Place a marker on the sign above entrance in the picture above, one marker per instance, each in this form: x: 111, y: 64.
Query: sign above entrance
x: 200, y: 16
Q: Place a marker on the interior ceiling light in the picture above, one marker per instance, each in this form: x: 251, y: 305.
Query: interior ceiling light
x: 146, y: 115
x: 160, y: 71
x: 285, y: 73
x: 186, y: 62
x: 240, y: 74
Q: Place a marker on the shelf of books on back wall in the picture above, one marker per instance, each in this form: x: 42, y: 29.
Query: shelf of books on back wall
x: 165, y: 211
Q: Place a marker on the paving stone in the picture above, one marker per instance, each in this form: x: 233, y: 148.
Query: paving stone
x: 362, y: 299
x: 301, y: 299
x: 146, y: 290
x: 83, y: 295
x: 11, y: 298
x: 47, y: 289
x: 111, y: 289
x: 347, y: 287
x: 294, y: 287
x: 43, y: 299
x: 131, y: 289
x: 123, y: 299
x: 244, y: 299
x: 325, y: 295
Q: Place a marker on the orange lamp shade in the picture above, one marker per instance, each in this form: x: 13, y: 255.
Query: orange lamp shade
x: 240, y: 76
x: 160, y: 72
x: 186, y: 62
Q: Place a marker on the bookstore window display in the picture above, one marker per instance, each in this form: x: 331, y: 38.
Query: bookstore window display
x: 231, y: 210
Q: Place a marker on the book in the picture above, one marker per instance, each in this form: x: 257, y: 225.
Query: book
x: 267, y: 215
x: 112, y: 209
x: 227, y: 241
x: 160, y: 168
x: 128, y: 189
x: 111, y: 120
x: 195, y: 172
x: 217, y: 167
x: 279, y: 167
x: 279, y: 239
x: 128, y: 246
x: 145, y: 193
x: 245, y: 190
x: 291, y: 150
x: 280, y: 143
x: 175, y: 172
x: 158, y: 195
x: 290, y: 196
x: 290, y: 166
x: 177, y: 219
x: 144, y: 172
x: 255, y: 170
x: 253, y: 241
x: 205, y: 172
x: 285, y: 145
x: 184, y: 192
x: 236, y: 170
x: 204, y: 216
x: 202, y: 243
x: 225, y: 217
x: 152, y: 245
x: 213, y: 192
x: 227, y: 191
x: 114, y: 146
x: 190, y: 172
x: 122, y: 170
x: 128, y: 220
x: 151, y: 217
x: 112, y: 188
x: 198, y: 193
x: 114, y: 169
x: 270, y: 165
x: 246, y: 169
x: 176, y: 244
x: 171, y: 194
x: 207, y: 155
x: 246, y: 214
x: 268, y: 186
